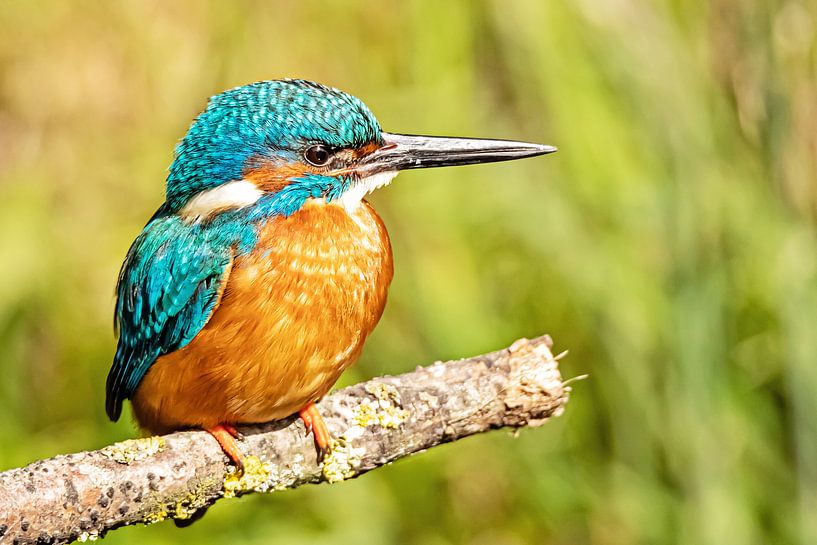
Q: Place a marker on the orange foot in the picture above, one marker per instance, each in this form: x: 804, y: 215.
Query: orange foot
x: 314, y: 423
x: 226, y: 435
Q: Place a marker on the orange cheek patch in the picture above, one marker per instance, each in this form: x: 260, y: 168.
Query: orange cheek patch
x: 270, y: 176
x: 366, y: 149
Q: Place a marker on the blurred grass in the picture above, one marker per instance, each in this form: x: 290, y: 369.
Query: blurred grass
x: 670, y: 245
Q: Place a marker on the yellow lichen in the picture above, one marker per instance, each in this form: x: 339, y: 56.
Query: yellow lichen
x: 383, y: 390
x: 256, y: 478
x: 364, y: 414
x: 158, y: 516
x: 391, y: 417
x: 380, y: 412
x: 181, y: 509
x: 342, y: 461
x: 88, y: 536
x: 187, y: 507
x: 134, y: 450
x: 386, y: 411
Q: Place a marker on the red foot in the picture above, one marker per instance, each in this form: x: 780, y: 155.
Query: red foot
x: 314, y: 423
x: 226, y: 435
x: 229, y: 428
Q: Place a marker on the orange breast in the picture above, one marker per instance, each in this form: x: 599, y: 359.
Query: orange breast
x: 293, y: 315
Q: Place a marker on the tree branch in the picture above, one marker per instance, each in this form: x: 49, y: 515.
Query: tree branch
x: 82, y: 496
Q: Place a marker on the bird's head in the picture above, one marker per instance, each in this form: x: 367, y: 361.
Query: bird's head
x: 298, y: 140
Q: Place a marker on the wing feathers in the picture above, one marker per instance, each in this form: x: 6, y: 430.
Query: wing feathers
x: 168, y: 288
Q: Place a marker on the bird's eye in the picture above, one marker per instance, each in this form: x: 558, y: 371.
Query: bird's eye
x: 317, y: 155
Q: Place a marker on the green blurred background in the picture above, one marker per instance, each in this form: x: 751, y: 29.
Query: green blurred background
x: 669, y: 245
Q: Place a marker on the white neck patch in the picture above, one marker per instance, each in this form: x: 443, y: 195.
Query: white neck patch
x: 352, y: 196
x: 237, y: 194
x: 241, y: 193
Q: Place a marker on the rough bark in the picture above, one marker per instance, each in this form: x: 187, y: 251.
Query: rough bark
x: 81, y: 496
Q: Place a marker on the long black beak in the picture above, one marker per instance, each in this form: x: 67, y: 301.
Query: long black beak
x: 404, y: 151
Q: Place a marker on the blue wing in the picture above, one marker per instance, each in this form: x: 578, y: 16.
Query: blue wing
x: 168, y: 287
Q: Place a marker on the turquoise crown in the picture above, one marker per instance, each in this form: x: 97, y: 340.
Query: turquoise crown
x: 268, y: 119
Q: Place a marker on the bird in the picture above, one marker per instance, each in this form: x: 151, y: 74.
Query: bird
x: 257, y: 281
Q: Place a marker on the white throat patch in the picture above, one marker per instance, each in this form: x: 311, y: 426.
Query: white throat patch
x: 352, y: 196
x: 237, y: 194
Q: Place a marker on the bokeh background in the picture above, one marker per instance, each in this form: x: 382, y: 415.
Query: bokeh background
x: 669, y: 245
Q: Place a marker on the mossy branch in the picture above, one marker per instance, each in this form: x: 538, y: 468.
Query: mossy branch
x: 82, y: 496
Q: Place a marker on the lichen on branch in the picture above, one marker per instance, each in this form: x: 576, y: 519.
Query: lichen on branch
x: 84, y: 495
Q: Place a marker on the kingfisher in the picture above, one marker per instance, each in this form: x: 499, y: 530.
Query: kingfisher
x: 257, y: 281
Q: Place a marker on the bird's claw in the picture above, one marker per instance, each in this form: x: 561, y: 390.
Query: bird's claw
x: 232, y: 430
x: 323, y: 452
x: 226, y: 436
x: 314, y: 424
x: 239, y: 467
